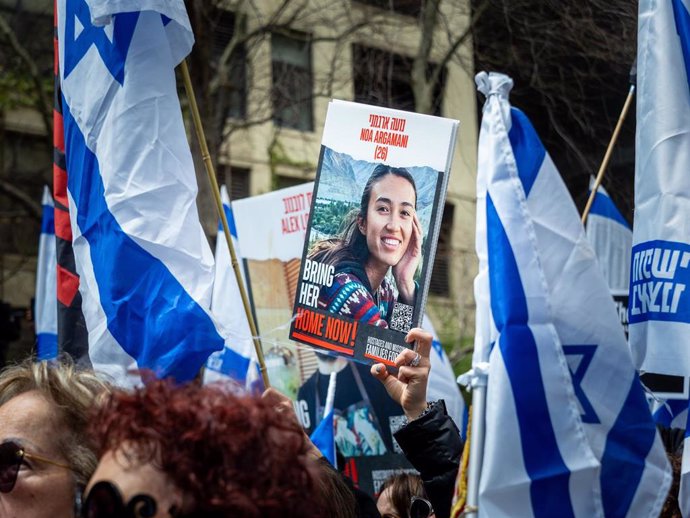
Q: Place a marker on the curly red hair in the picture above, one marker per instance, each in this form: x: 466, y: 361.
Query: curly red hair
x: 235, y: 456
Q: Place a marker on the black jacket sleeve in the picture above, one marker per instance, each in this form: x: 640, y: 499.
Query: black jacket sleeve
x: 433, y: 445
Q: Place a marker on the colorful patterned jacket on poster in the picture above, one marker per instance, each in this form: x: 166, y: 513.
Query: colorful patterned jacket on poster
x: 351, y: 295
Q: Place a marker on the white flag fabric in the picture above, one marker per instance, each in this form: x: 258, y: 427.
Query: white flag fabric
x: 659, y: 302
x: 146, y: 270
x: 568, y: 429
x: 442, y: 384
x: 611, y: 238
x: 235, y: 362
x: 45, y: 303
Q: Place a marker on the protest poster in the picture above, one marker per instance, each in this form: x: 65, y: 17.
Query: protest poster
x: 372, y: 232
x: 270, y: 231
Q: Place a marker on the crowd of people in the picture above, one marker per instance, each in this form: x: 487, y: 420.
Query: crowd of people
x: 72, y: 446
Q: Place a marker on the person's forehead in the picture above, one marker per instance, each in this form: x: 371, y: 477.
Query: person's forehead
x: 31, y: 420
x: 384, y: 503
x: 393, y: 187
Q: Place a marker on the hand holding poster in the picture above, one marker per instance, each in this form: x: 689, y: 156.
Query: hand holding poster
x: 373, y: 228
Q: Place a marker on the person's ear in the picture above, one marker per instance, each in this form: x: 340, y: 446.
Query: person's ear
x: 362, y: 225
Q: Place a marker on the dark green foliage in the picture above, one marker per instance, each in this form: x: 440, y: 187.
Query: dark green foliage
x: 330, y: 216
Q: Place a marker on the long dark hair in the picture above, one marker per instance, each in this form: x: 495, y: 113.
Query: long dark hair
x: 351, y: 244
x: 403, y: 487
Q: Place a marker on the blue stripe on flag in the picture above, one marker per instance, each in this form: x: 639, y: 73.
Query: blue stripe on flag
x: 148, y: 311
x: 436, y: 344
x: 231, y: 221
x: 550, y: 476
x: 682, y: 17
x: 323, y: 438
x: 527, y: 148
x: 604, y: 206
x: 48, y: 220
x: 671, y: 409
x: 46, y: 346
x: 234, y: 365
x: 627, y: 445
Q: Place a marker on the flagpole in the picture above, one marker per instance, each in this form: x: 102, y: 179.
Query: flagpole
x: 476, y: 446
x: 609, y: 151
x: 211, y: 173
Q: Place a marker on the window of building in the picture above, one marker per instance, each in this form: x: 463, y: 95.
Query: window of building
x: 383, y: 78
x: 235, y: 84
x: 237, y: 180
x: 292, y: 81
x: 408, y: 7
x: 440, y: 276
x: 282, y: 181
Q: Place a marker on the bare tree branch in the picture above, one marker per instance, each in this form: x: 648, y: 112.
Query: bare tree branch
x: 32, y: 208
x: 42, y: 104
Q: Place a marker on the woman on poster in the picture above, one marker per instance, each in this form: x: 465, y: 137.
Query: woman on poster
x: 384, y: 235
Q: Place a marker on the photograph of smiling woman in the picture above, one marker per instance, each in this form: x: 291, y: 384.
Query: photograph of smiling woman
x: 380, y: 240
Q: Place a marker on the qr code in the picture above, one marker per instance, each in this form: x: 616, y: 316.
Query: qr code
x: 401, y: 320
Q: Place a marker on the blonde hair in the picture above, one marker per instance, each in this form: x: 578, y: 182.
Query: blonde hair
x: 73, y: 392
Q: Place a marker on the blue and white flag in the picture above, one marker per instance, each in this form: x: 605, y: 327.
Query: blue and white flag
x: 670, y: 413
x: 45, y: 303
x: 323, y: 436
x: 234, y: 363
x: 146, y: 270
x: 442, y: 380
x: 611, y: 238
x: 659, y: 305
x: 568, y: 429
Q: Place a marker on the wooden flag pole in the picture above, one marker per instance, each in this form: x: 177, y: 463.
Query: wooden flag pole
x: 609, y: 151
x: 211, y: 173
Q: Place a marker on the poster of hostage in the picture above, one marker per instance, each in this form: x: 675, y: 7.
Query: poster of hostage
x: 373, y: 228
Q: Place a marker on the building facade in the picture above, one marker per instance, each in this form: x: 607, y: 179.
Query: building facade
x: 268, y: 69
x: 364, y: 51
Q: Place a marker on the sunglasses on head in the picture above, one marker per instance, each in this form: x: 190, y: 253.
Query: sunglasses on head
x: 12, y: 456
x: 420, y: 508
x: 105, y: 501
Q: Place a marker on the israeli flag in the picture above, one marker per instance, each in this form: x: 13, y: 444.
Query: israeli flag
x: 323, y: 436
x: 568, y: 429
x: 45, y: 303
x: 611, y: 238
x: 146, y: 270
x: 670, y: 413
x: 234, y: 363
x: 442, y: 380
x: 659, y: 302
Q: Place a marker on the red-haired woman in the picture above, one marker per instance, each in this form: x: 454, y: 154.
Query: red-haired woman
x: 197, y: 451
